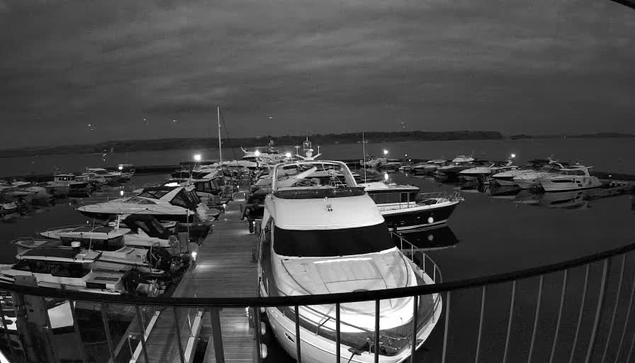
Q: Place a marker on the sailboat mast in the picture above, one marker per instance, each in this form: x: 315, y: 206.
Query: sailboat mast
x: 220, y: 153
x: 364, y: 156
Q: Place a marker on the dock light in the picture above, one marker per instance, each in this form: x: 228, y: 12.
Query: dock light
x: 194, y: 254
x: 197, y: 158
x: 263, y: 350
x: 386, y: 176
x: 121, y: 193
x: 257, y: 153
x: 120, y: 167
x: 513, y: 155
x: 288, y: 155
x: 385, y: 152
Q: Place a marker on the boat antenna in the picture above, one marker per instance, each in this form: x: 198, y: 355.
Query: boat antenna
x: 222, y: 119
x: 220, y: 153
x: 364, y: 157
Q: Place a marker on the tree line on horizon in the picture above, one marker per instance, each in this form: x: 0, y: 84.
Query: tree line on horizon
x: 249, y: 142
x: 124, y: 146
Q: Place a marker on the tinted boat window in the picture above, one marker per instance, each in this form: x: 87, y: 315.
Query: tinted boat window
x: 333, y: 242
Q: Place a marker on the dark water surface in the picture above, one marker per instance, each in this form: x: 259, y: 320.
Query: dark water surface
x: 495, y: 235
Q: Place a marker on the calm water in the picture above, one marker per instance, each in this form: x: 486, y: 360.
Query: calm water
x: 612, y: 155
x: 495, y: 235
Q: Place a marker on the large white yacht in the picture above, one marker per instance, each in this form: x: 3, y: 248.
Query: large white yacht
x: 323, y: 234
x: 506, y: 177
x: 532, y: 178
x: 576, y: 177
x: 166, y: 203
x: 485, y: 171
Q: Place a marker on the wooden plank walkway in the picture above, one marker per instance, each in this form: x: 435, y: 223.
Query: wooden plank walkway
x: 224, y: 268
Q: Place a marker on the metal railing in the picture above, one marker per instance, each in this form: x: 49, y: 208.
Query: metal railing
x: 574, y: 311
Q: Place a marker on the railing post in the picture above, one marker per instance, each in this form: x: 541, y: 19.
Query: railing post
x: 480, y: 324
x: 217, y: 335
x: 377, y: 310
x: 142, y: 332
x: 581, y: 312
x: 177, y: 328
x: 298, y: 349
x: 104, y: 318
x: 338, y: 352
x: 565, y: 279
x: 78, y: 334
x: 445, y: 331
x: 617, y: 300
x: 509, y: 321
x: 415, y: 316
x: 626, y: 319
x: 257, y: 316
x: 598, y: 311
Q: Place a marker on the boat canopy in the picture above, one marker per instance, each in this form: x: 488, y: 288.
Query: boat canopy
x: 148, y: 224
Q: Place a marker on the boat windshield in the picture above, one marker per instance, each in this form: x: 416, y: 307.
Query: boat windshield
x: 332, y: 242
x: 155, y: 193
x: 184, y: 199
x: 150, y: 225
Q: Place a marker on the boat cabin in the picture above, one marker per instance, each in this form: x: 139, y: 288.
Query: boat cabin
x: 60, y: 262
x: 64, y: 178
x: 383, y: 193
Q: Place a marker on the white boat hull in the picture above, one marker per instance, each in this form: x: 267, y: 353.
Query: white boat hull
x: 562, y: 184
x: 317, y: 349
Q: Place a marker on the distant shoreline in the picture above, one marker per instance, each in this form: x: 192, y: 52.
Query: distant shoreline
x: 127, y: 146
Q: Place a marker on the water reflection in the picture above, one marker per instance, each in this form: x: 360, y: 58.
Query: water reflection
x: 441, y: 237
x: 570, y: 200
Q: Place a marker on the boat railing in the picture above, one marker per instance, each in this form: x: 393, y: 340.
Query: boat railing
x: 579, y: 310
x: 424, y: 263
x: 427, y: 198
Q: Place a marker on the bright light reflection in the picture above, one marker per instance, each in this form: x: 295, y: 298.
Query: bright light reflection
x: 513, y: 155
x: 288, y: 154
x: 385, y: 152
x: 197, y: 157
x: 257, y: 153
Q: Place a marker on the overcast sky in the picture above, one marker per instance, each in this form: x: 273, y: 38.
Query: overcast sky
x: 85, y: 70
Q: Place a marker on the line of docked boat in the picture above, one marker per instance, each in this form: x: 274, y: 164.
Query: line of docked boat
x: 20, y: 197
x: 540, y: 174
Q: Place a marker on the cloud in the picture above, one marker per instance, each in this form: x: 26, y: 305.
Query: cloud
x: 358, y: 61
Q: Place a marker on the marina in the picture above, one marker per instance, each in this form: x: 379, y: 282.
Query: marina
x: 312, y: 182
x: 226, y: 265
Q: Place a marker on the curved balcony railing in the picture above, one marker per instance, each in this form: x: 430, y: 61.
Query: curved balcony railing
x: 573, y: 311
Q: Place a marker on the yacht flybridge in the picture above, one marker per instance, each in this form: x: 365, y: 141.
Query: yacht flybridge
x: 166, y: 203
x: 323, y: 234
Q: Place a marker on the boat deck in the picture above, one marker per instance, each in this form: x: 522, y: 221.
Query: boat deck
x: 224, y: 268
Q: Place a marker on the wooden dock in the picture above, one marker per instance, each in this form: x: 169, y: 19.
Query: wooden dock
x: 224, y: 268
